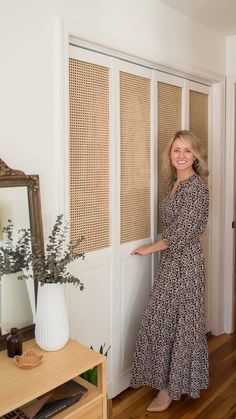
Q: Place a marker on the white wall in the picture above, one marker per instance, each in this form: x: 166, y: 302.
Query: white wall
x: 29, y: 68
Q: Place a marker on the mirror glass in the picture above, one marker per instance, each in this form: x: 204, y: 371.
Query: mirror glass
x: 19, y: 203
x: 17, y: 297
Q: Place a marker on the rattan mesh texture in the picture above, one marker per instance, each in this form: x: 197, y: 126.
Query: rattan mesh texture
x: 198, y: 115
x: 89, y: 154
x: 135, y: 157
x: 169, y: 116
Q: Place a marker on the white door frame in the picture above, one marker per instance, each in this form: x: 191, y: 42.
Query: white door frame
x: 217, y: 206
x: 229, y: 260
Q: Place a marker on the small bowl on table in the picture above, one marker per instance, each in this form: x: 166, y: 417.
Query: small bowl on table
x: 29, y: 359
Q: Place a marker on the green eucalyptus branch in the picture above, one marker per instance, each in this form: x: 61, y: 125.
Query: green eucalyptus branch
x: 44, y: 267
x: 15, y: 255
x: 51, y: 266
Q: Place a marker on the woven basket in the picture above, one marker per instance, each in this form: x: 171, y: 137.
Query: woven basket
x: 29, y: 359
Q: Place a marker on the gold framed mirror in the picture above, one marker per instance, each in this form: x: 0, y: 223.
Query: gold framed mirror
x: 20, y: 203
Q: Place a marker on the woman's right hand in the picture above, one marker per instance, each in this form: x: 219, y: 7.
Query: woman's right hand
x: 142, y: 251
x: 149, y: 249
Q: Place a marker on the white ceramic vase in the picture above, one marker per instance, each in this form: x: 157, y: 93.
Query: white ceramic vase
x: 52, y: 324
x: 15, y: 306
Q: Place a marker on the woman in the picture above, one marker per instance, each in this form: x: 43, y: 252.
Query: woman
x: 171, y: 351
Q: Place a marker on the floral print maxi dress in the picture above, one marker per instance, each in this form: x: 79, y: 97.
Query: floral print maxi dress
x: 171, y: 349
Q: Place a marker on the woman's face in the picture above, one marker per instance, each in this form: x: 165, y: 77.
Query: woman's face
x: 181, y: 156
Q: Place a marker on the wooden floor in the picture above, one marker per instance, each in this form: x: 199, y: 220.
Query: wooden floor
x: 218, y: 402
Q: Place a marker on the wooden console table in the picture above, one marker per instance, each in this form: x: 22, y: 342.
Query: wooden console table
x: 19, y: 386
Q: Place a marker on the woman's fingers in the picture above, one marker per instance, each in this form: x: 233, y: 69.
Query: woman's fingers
x: 139, y: 251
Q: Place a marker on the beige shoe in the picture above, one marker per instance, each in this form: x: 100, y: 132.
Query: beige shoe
x: 160, y: 403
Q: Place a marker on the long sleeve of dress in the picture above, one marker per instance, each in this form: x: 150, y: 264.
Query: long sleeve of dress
x: 191, y: 218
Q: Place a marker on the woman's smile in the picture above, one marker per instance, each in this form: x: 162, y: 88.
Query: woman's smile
x: 182, y: 156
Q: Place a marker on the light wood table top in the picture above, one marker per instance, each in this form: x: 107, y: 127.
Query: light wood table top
x: 19, y: 386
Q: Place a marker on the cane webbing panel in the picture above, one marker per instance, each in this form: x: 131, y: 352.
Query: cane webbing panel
x: 198, y: 116
x: 89, y: 154
x: 169, y: 116
x: 135, y: 157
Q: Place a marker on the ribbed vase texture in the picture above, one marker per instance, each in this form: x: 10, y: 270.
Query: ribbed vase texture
x: 52, y: 324
x: 16, y: 310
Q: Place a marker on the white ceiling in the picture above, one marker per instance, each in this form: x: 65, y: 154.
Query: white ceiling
x: 219, y: 15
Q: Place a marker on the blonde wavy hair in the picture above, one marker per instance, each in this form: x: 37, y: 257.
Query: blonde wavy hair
x: 200, y: 162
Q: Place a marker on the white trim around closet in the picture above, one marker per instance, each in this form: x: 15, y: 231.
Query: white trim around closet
x: 229, y: 216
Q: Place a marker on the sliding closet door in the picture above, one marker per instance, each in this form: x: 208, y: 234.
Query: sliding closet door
x: 88, y: 195
x: 135, y: 214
